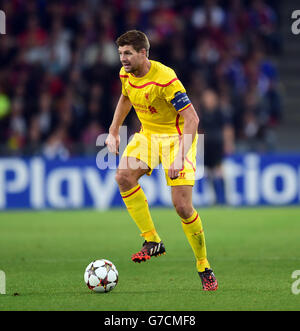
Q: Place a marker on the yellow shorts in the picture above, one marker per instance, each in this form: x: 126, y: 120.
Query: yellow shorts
x: 155, y: 149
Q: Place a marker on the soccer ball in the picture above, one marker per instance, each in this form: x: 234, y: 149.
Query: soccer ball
x: 101, y: 276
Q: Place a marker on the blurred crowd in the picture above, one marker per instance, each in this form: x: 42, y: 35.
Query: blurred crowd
x: 59, y: 67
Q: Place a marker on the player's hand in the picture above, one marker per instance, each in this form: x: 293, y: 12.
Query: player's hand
x: 175, y: 168
x: 112, y: 142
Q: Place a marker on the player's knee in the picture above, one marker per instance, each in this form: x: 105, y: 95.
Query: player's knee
x: 183, y: 210
x: 124, y: 179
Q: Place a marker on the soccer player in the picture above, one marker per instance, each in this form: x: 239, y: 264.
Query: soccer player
x: 168, y: 135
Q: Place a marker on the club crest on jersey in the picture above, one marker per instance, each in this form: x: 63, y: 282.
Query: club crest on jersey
x: 152, y: 110
x: 147, y: 96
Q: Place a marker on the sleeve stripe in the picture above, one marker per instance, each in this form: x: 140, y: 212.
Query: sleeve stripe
x: 177, y: 125
x: 185, y: 107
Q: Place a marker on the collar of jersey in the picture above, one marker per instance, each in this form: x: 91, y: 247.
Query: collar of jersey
x: 145, y: 76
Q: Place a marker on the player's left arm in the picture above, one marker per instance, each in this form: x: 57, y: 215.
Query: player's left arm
x: 175, y: 94
x: 191, y: 122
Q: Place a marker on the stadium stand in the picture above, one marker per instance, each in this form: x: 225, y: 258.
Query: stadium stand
x: 59, y: 67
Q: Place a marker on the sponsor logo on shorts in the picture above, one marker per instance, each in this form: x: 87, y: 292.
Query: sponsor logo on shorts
x: 181, y: 175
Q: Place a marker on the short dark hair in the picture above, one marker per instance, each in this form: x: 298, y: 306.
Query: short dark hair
x: 137, y: 39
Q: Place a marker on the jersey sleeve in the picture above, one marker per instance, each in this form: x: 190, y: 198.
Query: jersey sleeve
x: 123, y: 77
x: 175, y: 94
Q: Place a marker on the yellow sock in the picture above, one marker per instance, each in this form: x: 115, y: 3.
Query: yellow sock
x: 137, y: 206
x: 193, y: 230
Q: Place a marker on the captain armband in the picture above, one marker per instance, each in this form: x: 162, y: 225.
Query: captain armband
x: 181, y: 101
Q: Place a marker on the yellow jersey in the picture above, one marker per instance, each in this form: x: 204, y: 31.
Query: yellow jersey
x: 152, y: 97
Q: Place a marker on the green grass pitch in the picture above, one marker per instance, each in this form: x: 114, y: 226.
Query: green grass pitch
x: 253, y: 252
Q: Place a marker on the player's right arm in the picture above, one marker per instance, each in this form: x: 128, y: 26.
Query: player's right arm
x: 113, y: 139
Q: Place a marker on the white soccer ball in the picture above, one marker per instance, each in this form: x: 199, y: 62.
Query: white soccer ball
x: 101, y: 276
